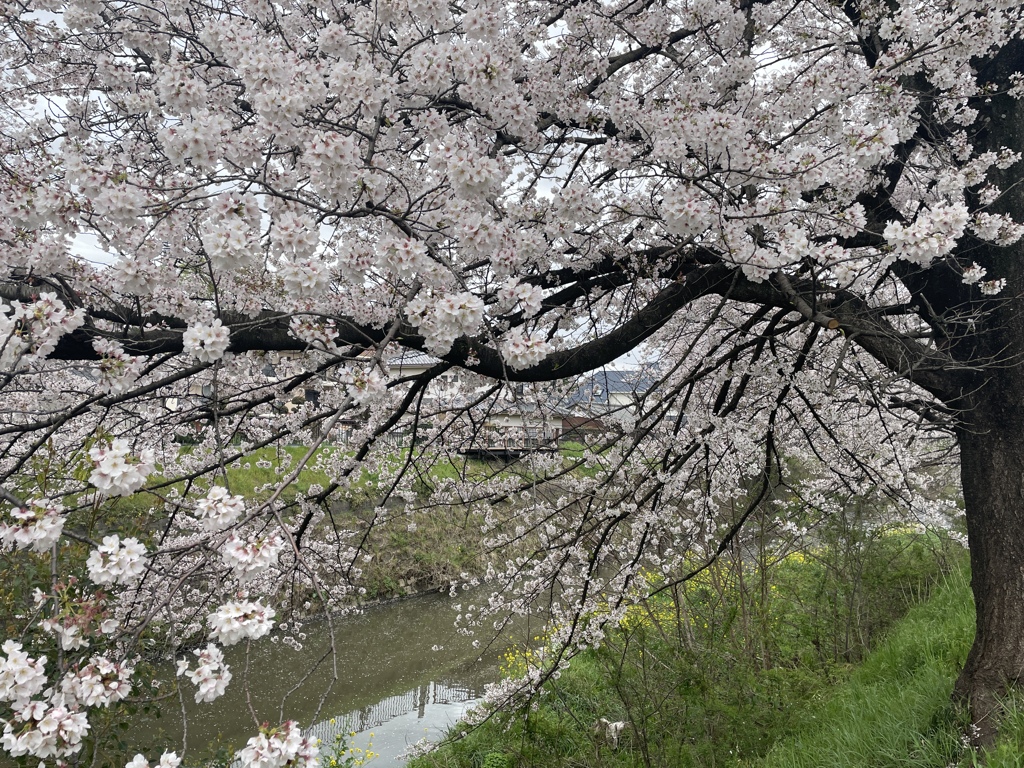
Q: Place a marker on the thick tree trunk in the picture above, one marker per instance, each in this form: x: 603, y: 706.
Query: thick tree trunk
x: 991, y: 429
x: 992, y: 470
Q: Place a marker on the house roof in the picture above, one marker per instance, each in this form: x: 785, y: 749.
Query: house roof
x: 411, y: 359
x: 597, y: 388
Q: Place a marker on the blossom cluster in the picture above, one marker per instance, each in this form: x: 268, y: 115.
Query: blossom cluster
x: 72, y: 633
x: 211, y: 675
x: 116, y: 561
x: 136, y: 275
x: 114, y: 472
x: 100, y: 683
x: 21, y: 676
x: 305, y: 277
x: 364, y: 385
x: 44, y: 730
x: 316, y: 333
x: 196, y: 139
x: 118, y: 370
x: 167, y: 760
x: 280, y: 747
x: 32, y: 330
x: 472, y: 174
x: 230, y: 238
x: 684, y: 214
x: 524, y: 351
x: 219, y: 510
x: 229, y: 243
x: 529, y: 296
x: 207, y: 342
x: 240, y: 620
x: 37, y: 525
x: 404, y: 256
x: 930, y: 236
x: 295, y: 235
x: 442, y: 320
x: 78, y: 613
x: 248, y: 559
x: 997, y: 228
x: 38, y: 728
x: 332, y: 160
x: 869, y: 144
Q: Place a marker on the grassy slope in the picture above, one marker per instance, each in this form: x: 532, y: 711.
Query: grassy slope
x: 893, y: 710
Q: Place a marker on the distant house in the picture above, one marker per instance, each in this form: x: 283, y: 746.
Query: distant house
x: 606, y: 391
x: 599, y: 399
x: 522, y: 424
x: 521, y: 420
x: 581, y: 428
x: 410, y: 363
x: 525, y: 418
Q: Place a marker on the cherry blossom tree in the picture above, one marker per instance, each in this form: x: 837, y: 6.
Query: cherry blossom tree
x: 805, y: 211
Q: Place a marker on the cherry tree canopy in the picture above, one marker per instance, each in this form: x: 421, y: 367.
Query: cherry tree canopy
x: 805, y: 211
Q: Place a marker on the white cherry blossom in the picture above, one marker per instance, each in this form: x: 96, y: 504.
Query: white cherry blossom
x: 238, y: 620
x: 280, y: 747
x: 38, y: 525
x: 522, y: 351
x: 219, y: 509
x: 117, y: 473
x: 116, y: 561
x: 211, y: 674
x: 207, y: 342
x: 21, y: 676
x: 100, y: 683
x: 249, y: 557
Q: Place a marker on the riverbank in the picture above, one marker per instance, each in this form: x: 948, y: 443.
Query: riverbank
x: 722, y: 675
x: 410, y: 552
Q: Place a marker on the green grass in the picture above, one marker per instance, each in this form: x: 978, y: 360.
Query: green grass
x: 895, y: 709
x: 758, y: 677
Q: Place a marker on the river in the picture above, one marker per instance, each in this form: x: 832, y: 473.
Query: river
x: 404, y: 674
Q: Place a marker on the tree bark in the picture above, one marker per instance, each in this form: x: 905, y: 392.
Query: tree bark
x: 991, y: 428
x: 992, y: 472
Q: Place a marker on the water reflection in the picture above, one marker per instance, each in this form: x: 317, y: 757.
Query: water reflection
x: 391, y: 726
x: 403, y: 672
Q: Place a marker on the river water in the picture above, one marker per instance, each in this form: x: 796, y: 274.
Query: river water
x: 404, y: 674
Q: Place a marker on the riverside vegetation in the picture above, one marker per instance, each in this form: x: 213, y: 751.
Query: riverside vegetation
x: 736, y: 667
x: 841, y: 655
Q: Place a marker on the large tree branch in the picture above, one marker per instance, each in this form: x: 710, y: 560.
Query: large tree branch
x: 841, y: 311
